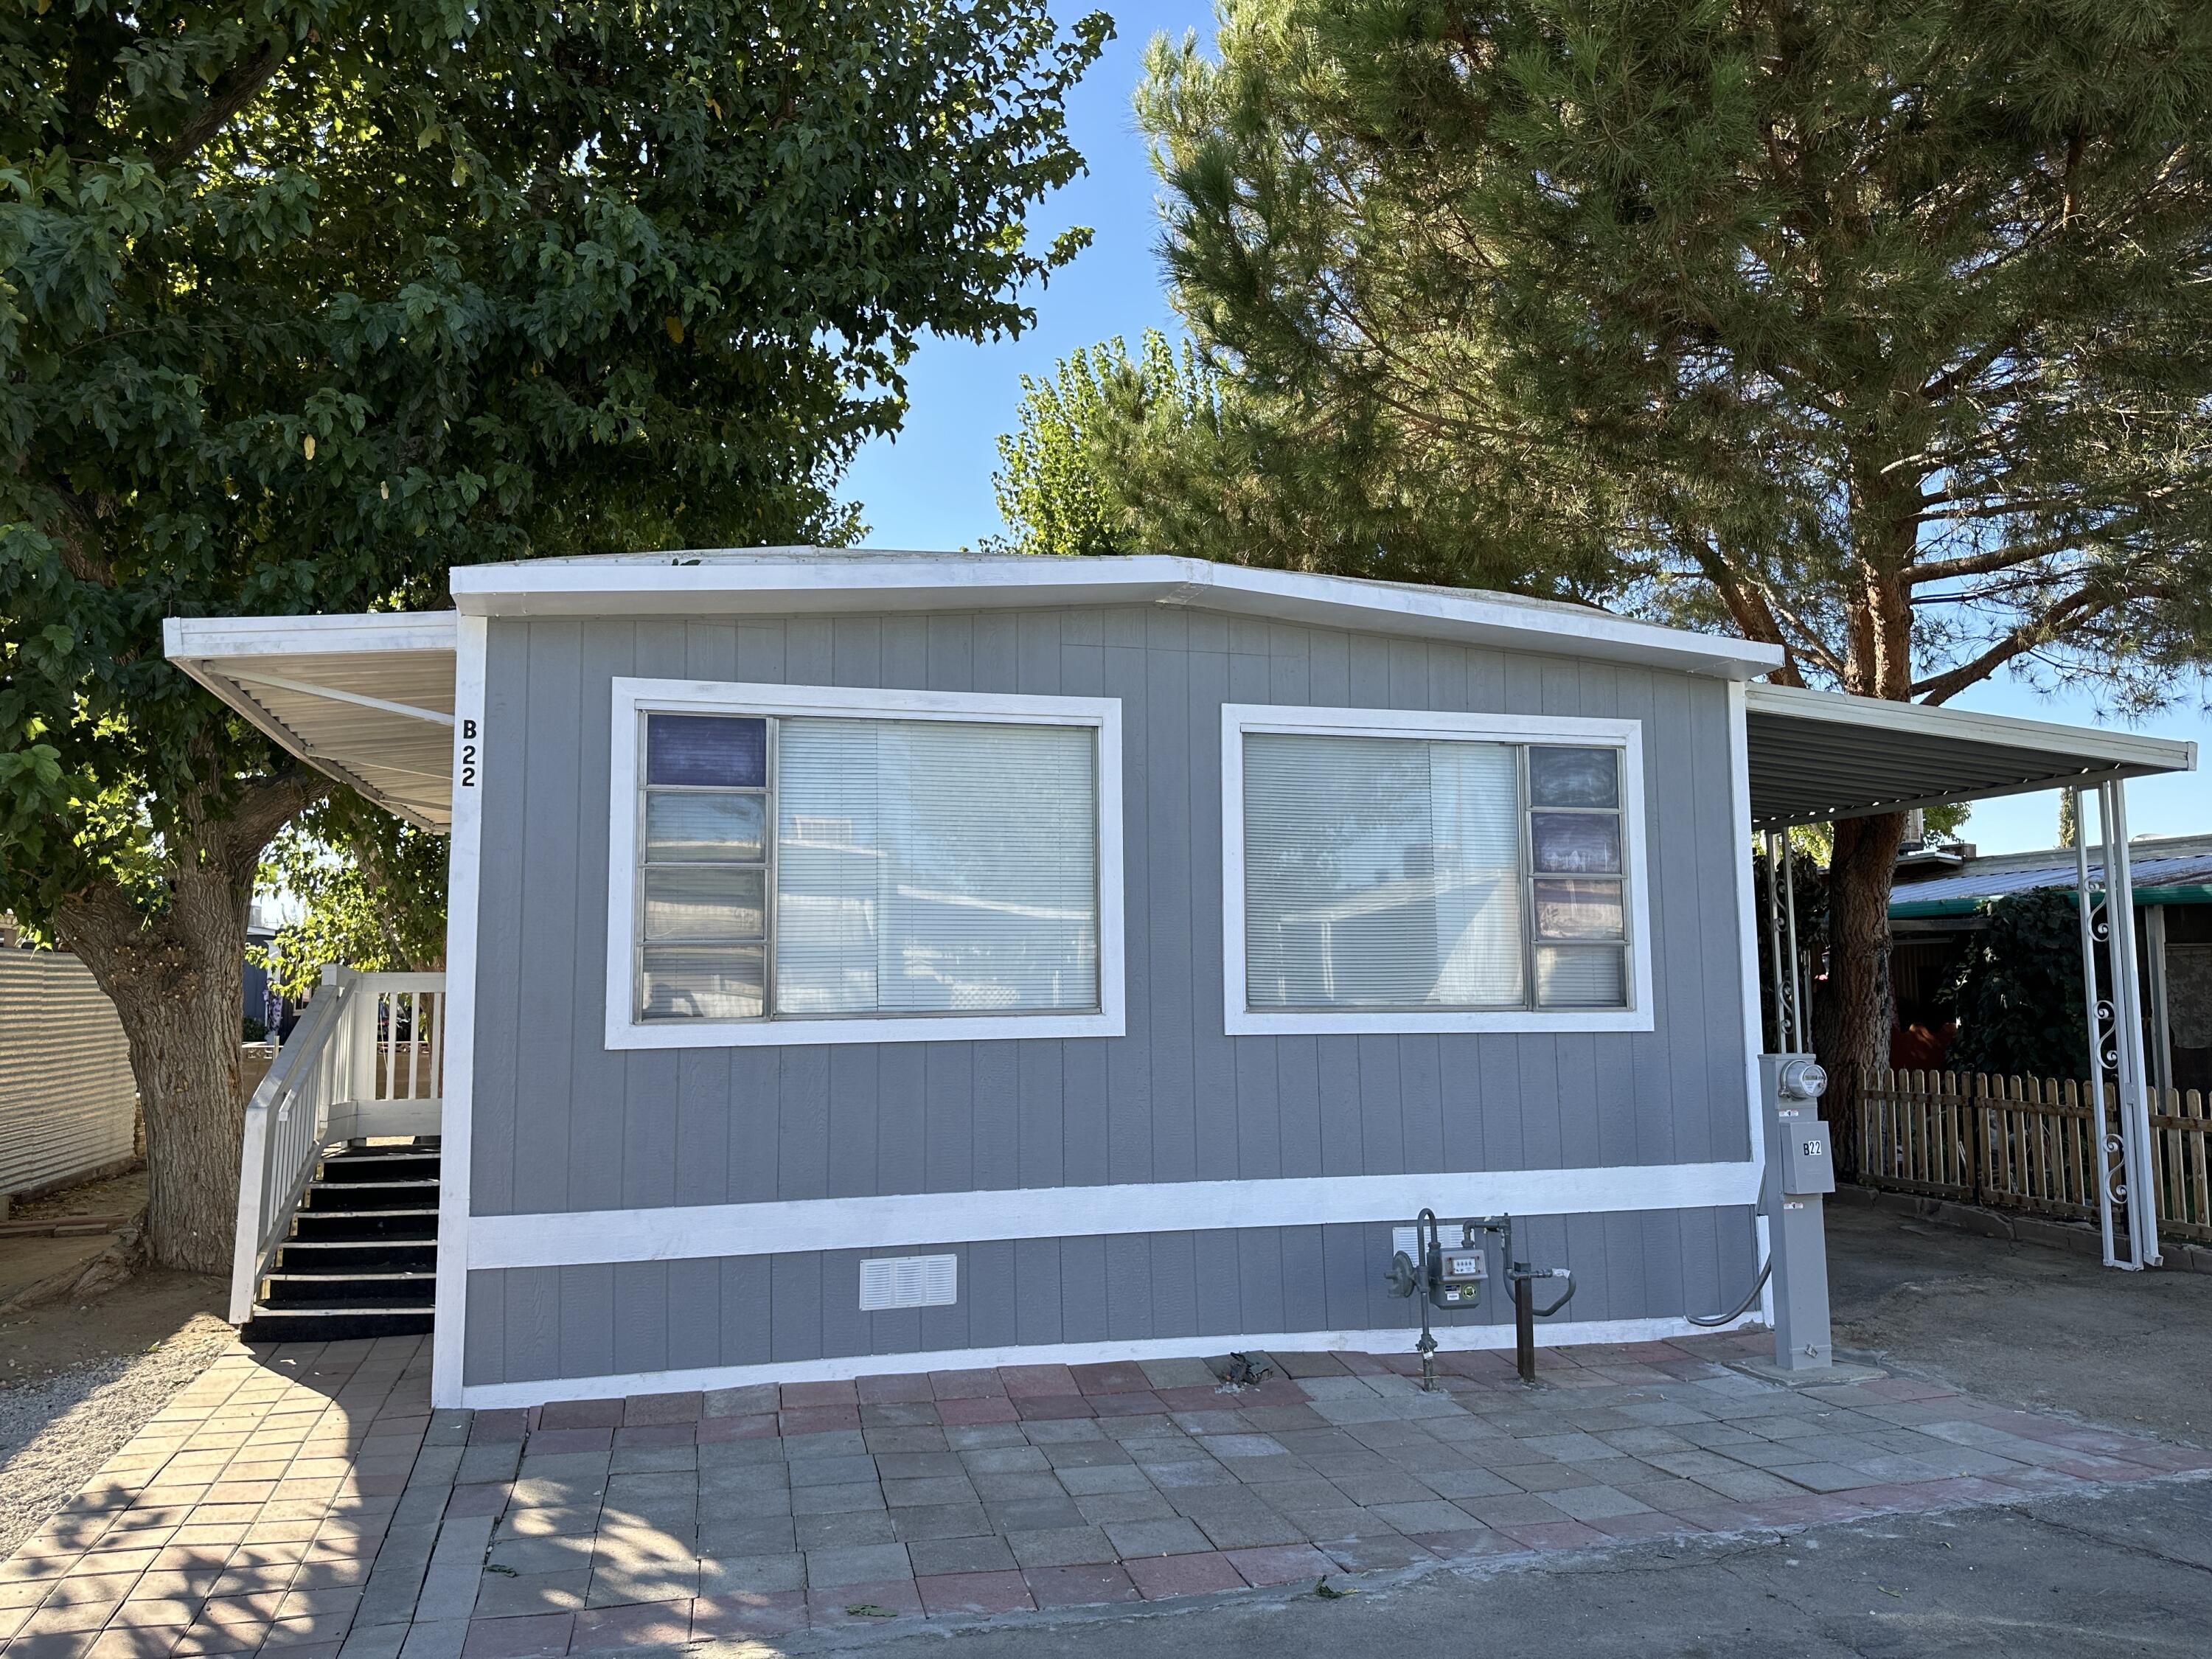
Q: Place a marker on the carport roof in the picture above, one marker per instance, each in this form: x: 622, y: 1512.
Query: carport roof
x: 1819, y: 756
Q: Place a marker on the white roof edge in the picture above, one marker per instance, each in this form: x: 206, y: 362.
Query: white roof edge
x: 636, y: 585
x: 202, y: 638
x: 2124, y: 749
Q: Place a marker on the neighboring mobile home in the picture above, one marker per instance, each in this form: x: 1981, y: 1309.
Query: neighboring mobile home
x: 877, y: 962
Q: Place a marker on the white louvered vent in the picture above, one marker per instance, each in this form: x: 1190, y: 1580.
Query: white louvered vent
x: 909, y: 1281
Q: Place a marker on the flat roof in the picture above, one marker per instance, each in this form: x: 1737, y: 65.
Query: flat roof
x: 799, y: 580
x: 369, y: 699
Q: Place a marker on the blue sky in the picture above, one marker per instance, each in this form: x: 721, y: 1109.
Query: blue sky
x: 930, y: 486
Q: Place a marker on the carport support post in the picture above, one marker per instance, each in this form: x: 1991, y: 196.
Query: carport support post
x: 2091, y: 1006
x: 2128, y: 1032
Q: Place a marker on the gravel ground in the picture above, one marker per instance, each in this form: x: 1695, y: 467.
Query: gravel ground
x: 59, y: 1427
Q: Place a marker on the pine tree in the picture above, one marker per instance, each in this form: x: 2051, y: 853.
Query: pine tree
x: 1880, y: 332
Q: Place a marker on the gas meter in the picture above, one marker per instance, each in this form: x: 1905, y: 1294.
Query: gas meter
x: 1452, y: 1279
x: 1457, y: 1280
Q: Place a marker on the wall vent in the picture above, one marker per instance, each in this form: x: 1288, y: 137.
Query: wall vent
x: 909, y: 1281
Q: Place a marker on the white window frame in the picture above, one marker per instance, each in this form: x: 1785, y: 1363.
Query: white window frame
x: 1238, y: 719
x: 635, y: 698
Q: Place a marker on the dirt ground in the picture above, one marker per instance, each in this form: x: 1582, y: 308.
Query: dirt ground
x: 76, y: 1381
x: 27, y: 1262
x: 2024, y: 1324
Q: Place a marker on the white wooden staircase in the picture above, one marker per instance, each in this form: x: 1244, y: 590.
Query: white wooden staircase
x: 338, y: 1177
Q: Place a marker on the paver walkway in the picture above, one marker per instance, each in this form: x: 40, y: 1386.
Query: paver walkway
x: 307, y: 1500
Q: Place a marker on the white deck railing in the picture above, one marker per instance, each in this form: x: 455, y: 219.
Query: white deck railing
x: 366, y: 1059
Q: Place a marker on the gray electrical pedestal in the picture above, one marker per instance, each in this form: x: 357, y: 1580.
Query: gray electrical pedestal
x: 1800, y: 1173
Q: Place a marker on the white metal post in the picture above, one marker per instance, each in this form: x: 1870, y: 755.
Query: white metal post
x: 2090, y: 1004
x: 1774, y: 947
x: 1801, y: 1039
x: 2128, y: 1033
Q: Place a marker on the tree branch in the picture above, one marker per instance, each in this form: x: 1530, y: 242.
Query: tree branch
x: 2077, y: 606
x: 1982, y: 564
x: 263, y: 807
x: 232, y: 91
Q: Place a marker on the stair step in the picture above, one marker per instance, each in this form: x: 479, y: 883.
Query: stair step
x: 331, y: 1256
x: 356, y: 1226
x: 283, y: 1291
x: 370, y: 1195
x: 348, y: 1170
x: 334, y: 1324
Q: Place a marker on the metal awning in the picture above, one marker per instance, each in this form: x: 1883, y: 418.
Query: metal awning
x: 370, y: 700
x: 1818, y: 755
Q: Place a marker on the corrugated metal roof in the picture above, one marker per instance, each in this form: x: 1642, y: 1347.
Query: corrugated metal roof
x: 2159, y: 867
x: 1819, y: 756
x: 368, y: 699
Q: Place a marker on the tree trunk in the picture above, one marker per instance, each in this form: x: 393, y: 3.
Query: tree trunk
x: 185, y: 1053
x: 177, y: 979
x: 1852, y: 1021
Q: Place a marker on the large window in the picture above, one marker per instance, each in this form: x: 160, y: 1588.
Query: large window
x: 800, y: 872
x: 1392, y: 871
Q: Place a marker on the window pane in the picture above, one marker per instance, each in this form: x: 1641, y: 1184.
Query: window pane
x: 1381, y: 873
x: 697, y: 829
x: 691, y: 981
x: 1574, y: 777
x: 685, y: 902
x: 1580, y: 976
x: 927, y: 867
x: 1577, y: 909
x: 728, y: 750
x: 1576, y: 843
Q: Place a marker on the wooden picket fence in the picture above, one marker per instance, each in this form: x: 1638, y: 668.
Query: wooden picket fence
x: 2029, y: 1144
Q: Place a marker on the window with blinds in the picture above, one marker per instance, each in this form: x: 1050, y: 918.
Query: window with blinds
x: 823, y: 867
x: 1432, y: 873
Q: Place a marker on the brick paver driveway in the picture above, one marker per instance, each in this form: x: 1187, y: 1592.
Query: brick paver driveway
x: 307, y: 1499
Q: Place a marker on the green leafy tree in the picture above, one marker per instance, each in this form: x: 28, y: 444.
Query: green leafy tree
x: 302, y: 301
x: 372, y: 889
x: 1063, y: 492
x: 1880, y: 332
x: 1161, y: 451
x: 2018, y: 995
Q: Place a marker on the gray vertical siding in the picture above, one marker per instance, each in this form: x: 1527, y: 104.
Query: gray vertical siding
x: 563, y: 1124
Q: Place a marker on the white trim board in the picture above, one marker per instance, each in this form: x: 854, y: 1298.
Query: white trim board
x: 203, y: 638
x: 632, y: 697
x: 1626, y: 735
x: 1451, y: 1339
x: 463, y: 905
x: 902, y: 1220
x: 792, y: 581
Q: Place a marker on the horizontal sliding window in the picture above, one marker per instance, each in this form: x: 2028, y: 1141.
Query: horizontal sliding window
x: 1432, y: 873
x: 816, y: 867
